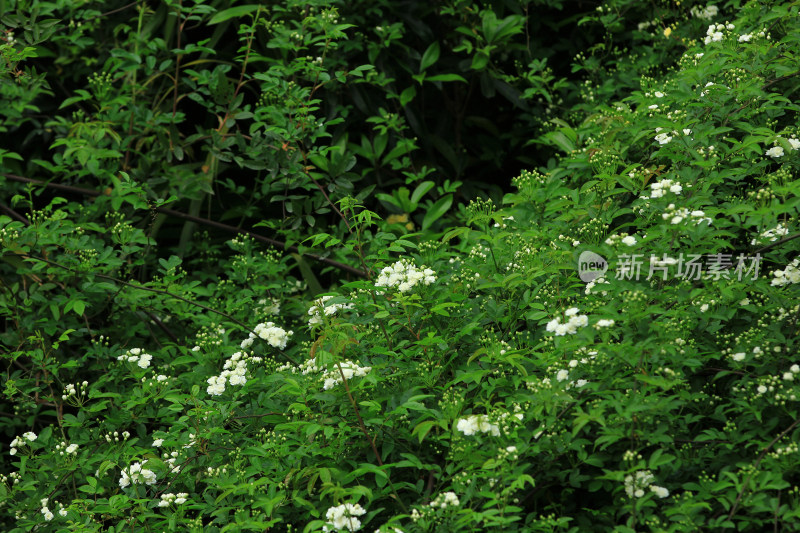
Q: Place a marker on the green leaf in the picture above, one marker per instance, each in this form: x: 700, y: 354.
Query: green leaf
x: 445, y: 77
x: 430, y: 56
x: 233, y: 12
x: 437, y: 211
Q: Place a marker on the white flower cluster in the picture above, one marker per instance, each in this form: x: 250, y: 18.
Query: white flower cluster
x: 235, y: 367
x: 660, y: 188
x: 624, y: 238
x: 136, y: 355
x: 343, y: 517
x: 571, y: 326
x: 277, y: 337
x: 445, y: 500
x: 676, y: 215
x: 319, y: 309
x: 64, y: 448
x: 777, y: 151
x: 19, y: 442
x: 662, y: 138
x: 790, y: 274
x: 70, y: 390
x: 169, y: 498
x: 45, y: 511
x: 705, y: 13
x: 404, y: 275
x: 594, y: 283
x: 268, y: 307
x: 771, y: 235
x: 716, y: 32
x: 348, y: 368
x: 137, y: 475
x: 473, y: 424
x: 332, y: 377
x: 636, y: 484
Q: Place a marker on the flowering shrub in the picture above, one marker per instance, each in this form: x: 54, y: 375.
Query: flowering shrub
x: 466, y: 377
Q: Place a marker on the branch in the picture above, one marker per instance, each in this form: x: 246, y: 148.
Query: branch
x: 156, y: 291
x: 204, y: 221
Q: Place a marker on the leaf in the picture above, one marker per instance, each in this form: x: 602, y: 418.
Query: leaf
x: 430, y: 56
x: 437, y: 211
x: 421, y: 190
x: 233, y: 12
x: 445, y: 77
x: 308, y: 274
x: 407, y: 95
x: 423, y: 428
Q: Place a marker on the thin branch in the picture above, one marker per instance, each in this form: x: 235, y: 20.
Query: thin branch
x: 199, y: 220
x: 156, y: 291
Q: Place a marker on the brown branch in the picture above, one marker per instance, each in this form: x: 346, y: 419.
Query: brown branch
x: 156, y: 291
x: 204, y: 221
x: 758, y: 462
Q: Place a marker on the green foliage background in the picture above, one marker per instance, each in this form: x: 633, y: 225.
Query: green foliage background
x: 188, y: 180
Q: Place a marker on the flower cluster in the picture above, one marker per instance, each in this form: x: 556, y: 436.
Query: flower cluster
x: 771, y: 235
x: 624, y: 238
x: 348, y: 368
x: 137, y: 475
x: 277, y: 337
x: 778, y: 151
x: 170, y: 498
x: 676, y: 215
x: 571, y: 326
x: 343, y: 517
x: 705, y: 13
x: 660, y: 188
x: 636, y: 484
x: 790, y: 274
x: 594, y: 283
x: 445, y: 499
x: 70, y: 390
x: 18, y: 442
x: 136, y: 355
x: 716, y: 32
x: 69, y: 449
x: 404, y: 275
x: 320, y: 309
x: 473, y: 424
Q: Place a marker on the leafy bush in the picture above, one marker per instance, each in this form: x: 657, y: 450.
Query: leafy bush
x: 609, y: 346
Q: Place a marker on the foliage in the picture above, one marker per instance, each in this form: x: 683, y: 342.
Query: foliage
x: 609, y: 346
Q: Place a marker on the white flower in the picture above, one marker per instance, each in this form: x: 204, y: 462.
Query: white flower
x: 630, y: 240
x: 745, y: 38
x: 775, y: 151
x: 29, y: 436
x: 762, y: 389
x: 216, y: 385
x: 276, y: 337
x: 562, y: 375
x: 157, y: 443
x: 659, y: 94
x: 144, y: 360
x: 687, y: 131
x: 605, y: 323
x: 704, y: 308
x: 795, y: 368
x: 343, y: 517
x: 788, y: 376
x: 795, y: 143
x: 661, y: 492
x: 663, y: 138
x: 738, y: 356
x: 72, y: 449
x: 63, y: 511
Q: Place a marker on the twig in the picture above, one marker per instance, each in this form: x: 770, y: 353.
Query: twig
x: 199, y: 220
x: 156, y: 291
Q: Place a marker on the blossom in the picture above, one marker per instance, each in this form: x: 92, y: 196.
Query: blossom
x: 795, y: 143
x: 216, y: 385
x: 157, y: 443
x: 775, y: 151
x: 276, y: 337
x: 137, y: 475
x: 320, y: 309
x: 661, y: 492
x: 745, y: 37
x: 343, y: 517
x: 663, y: 138
x: 29, y: 436
x: 604, y: 323
x: 404, y: 275
x: 630, y: 240
x: 562, y: 375
x: 738, y: 356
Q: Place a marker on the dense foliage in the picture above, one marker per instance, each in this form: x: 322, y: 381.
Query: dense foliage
x: 259, y: 272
